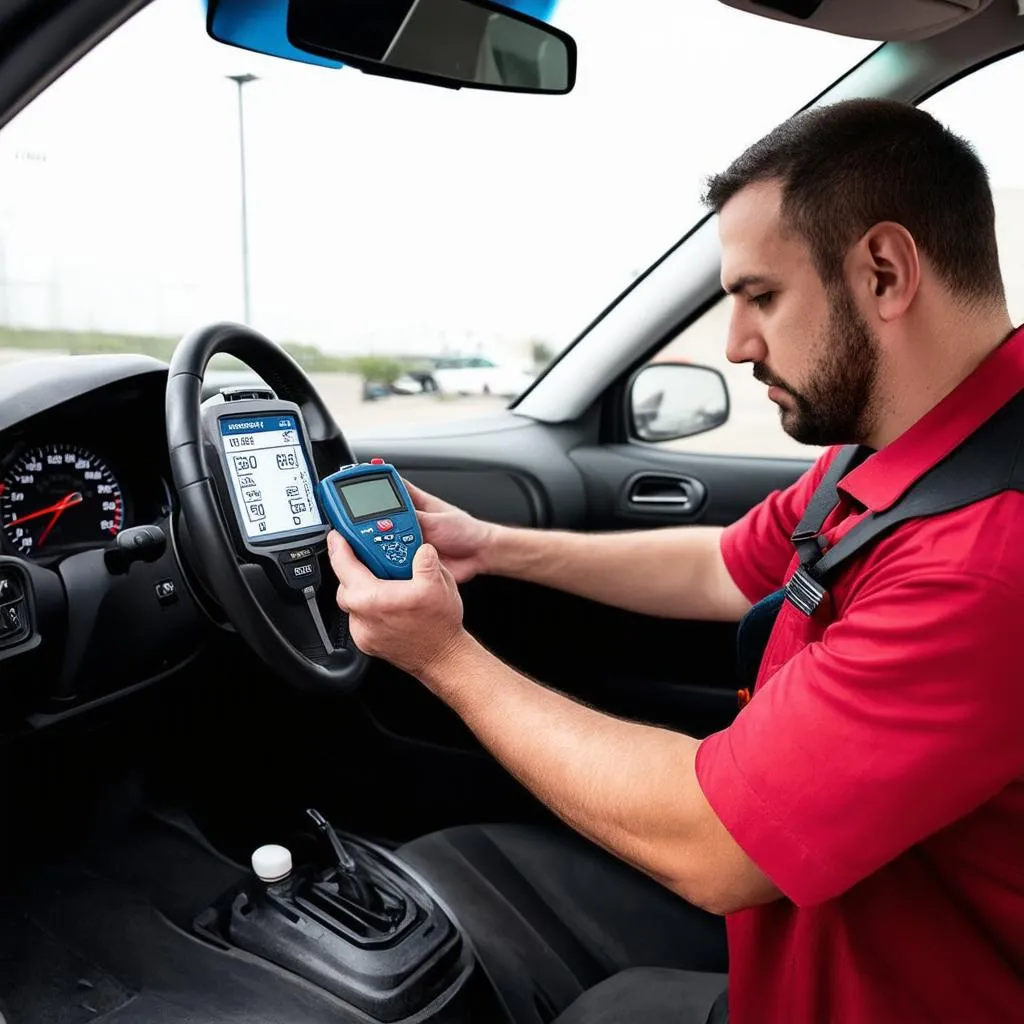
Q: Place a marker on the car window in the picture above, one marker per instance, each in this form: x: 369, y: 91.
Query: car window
x: 388, y: 225
x: 971, y: 108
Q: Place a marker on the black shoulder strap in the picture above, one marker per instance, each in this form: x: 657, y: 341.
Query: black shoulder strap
x: 988, y: 462
x: 824, y: 500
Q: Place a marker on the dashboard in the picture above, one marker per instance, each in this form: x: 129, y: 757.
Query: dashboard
x: 98, y: 593
x: 94, y: 594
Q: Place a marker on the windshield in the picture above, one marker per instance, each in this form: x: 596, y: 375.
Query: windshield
x: 383, y: 218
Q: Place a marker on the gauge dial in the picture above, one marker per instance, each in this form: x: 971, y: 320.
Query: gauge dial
x: 59, y: 497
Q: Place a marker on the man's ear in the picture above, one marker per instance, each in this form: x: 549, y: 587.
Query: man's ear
x: 885, y: 270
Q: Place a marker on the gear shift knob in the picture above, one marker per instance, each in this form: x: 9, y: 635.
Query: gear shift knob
x: 272, y: 863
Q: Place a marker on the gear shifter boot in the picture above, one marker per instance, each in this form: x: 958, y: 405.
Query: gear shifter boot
x: 364, y: 905
x: 352, y: 885
x: 362, y: 928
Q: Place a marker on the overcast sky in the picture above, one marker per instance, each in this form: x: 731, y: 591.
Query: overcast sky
x: 381, y: 214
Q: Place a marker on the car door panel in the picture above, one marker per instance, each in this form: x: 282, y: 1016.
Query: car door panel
x: 721, y: 488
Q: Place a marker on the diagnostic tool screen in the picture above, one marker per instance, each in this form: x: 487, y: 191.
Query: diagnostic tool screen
x: 270, y: 475
x: 365, y: 499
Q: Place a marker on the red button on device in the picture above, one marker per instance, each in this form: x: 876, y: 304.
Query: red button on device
x: 376, y: 462
x: 384, y: 525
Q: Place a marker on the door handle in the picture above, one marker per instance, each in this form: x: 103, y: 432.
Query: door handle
x: 680, y: 494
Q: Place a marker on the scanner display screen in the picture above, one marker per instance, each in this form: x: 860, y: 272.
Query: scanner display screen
x: 270, y: 476
x: 367, y: 498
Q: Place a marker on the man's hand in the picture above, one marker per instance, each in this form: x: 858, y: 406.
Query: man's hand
x: 460, y: 540
x: 410, y: 623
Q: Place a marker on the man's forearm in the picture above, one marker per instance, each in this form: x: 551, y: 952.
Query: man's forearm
x: 674, y: 573
x: 551, y: 749
x: 628, y: 787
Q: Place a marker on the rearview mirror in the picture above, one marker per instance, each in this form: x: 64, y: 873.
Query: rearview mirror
x: 668, y: 401
x: 477, y: 44
x: 474, y: 43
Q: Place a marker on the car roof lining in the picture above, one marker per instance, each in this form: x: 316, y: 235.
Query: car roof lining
x: 882, y: 20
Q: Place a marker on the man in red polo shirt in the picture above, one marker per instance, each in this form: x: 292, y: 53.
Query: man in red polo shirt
x: 861, y: 824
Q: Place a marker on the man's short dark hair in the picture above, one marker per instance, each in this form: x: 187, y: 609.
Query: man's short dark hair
x: 848, y: 166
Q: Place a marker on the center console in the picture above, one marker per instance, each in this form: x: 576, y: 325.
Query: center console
x: 353, y: 921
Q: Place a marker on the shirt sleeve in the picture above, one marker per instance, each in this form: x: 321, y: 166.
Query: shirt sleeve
x: 757, y: 549
x: 903, y: 718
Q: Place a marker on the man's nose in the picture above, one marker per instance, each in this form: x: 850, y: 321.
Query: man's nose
x: 745, y: 343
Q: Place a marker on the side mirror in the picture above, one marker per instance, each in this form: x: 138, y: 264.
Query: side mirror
x: 668, y: 401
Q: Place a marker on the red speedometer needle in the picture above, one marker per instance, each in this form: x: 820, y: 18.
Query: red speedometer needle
x: 72, y: 499
x: 66, y: 502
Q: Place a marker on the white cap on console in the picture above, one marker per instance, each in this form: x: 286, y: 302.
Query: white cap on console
x: 272, y: 863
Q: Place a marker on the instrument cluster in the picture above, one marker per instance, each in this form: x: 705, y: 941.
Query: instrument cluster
x: 59, y: 497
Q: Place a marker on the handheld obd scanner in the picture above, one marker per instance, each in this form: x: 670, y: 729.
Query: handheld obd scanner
x: 369, y: 506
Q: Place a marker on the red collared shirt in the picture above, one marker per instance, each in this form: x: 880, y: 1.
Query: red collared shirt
x: 877, y: 775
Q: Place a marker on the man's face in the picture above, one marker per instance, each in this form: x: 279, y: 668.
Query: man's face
x: 808, y: 343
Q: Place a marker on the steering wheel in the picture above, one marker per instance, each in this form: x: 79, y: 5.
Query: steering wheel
x: 301, y: 637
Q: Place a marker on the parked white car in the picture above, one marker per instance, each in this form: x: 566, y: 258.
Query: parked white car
x: 470, y: 375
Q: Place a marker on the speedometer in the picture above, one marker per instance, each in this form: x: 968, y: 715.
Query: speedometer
x: 59, y: 497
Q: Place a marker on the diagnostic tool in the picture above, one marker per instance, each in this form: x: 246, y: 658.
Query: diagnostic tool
x: 370, y: 507
x: 264, y: 472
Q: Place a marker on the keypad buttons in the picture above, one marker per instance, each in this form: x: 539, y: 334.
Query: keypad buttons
x: 396, y: 553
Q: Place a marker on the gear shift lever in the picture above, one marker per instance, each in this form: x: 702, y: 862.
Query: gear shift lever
x: 351, y: 880
x: 344, y: 858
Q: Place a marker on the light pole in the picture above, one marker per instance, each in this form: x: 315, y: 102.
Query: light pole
x: 240, y: 81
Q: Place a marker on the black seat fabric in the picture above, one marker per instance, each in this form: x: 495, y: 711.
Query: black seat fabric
x: 649, y: 995
x: 552, y: 916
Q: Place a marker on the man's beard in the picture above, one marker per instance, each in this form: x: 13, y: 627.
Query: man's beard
x: 836, y: 404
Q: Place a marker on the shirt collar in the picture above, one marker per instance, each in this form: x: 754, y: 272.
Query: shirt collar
x: 881, y: 480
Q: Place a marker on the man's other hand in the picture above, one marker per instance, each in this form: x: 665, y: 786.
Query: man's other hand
x: 410, y: 623
x: 460, y: 540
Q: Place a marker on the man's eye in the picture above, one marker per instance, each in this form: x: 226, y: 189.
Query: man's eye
x: 762, y: 300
